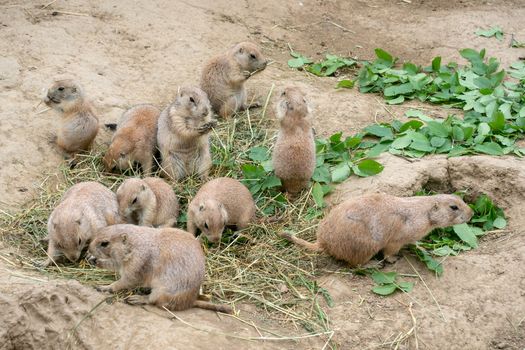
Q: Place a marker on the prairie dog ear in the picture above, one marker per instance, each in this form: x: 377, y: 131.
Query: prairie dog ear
x: 241, y: 49
x: 124, y: 237
x: 142, y: 187
x: 224, y: 213
x: 111, y: 219
x: 202, y: 207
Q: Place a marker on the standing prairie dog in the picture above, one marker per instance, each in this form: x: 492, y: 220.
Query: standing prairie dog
x: 359, y: 228
x: 79, y: 124
x: 294, y: 152
x: 182, y: 135
x: 218, y: 203
x: 135, y: 139
x: 169, y: 261
x: 223, y: 77
x: 85, y: 208
x: 148, y: 202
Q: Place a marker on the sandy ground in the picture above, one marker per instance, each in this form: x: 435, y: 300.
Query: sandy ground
x: 125, y: 52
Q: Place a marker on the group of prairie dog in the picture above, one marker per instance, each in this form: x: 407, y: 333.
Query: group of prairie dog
x: 132, y: 231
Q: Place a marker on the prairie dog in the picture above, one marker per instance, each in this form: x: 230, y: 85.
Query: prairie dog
x: 79, y: 125
x: 218, y: 203
x: 182, y: 135
x: 223, y: 77
x: 85, y: 208
x: 293, y: 156
x: 169, y: 261
x: 135, y: 139
x: 148, y: 202
x: 359, y: 228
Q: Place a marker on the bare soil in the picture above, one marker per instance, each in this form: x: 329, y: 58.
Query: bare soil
x: 128, y: 52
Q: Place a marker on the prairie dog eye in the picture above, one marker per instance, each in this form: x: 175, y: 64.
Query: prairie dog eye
x: 61, y: 88
x: 192, y: 100
x: 252, y: 56
x: 206, y: 226
x: 104, y: 244
x: 134, y: 200
x: 79, y: 241
x: 454, y: 207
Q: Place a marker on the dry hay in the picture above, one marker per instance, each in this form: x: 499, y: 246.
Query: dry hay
x: 249, y: 266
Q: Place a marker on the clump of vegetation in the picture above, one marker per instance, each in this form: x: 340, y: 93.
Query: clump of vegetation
x: 495, y: 31
x: 443, y: 242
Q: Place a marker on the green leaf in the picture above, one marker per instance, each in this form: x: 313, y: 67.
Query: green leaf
x: 412, y: 124
x: 369, y: 167
x: 466, y: 235
x: 488, y: 33
x: 396, y: 101
x: 270, y: 182
x: 457, y: 133
x: 340, y: 173
x: 385, y: 289
x: 499, y: 222
x: 437, y: 141
x: 258, y: 153
x: 414, y: 113
x: 347, y: 84
x: 491, y: 148
x: 436, y: 64
x: 444, y: 251
x: 402, y: 142
x: 384, y: 277
x: 298, y: 61
x: 498, y: 121
x: 437, y: 129
x: 317, y: 194
x: 405, y: 286
x: 378, y: 149
x: 379, y: 131
x: 395, y: 90
x: 384, y: 56
x: 322, y: 174
x: 483, y: 129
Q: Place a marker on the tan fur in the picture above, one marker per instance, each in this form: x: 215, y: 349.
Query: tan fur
x: 169, y: 261
x: 148, y: 202
x: 359, y: 228
x: 218, y: 203
x: 84, y: 209
x: 135, y: 139
x: 223, y: 77
x: 294, y: 152
x: 183, y: 135
x: 79, y: 124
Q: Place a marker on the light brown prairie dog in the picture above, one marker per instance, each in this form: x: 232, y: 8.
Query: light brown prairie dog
x: 359, y: 228
x: 79, y: 125
x: 293, y: 156
x: 85, y: 208
x: 169, y: 261
x: 223, y: 77
x: 135, y: 139
x: 148, y: 202
x: 218, y: 203
x: 183, y: 135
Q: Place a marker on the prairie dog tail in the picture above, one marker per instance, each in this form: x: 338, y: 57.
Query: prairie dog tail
x: 225, y: 309
x: 292, y: 238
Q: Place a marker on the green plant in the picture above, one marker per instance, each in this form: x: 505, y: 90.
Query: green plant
x: 324, y: 68
x: 443, y: 242
x: 387, y: 283
x: 452, y: 136
x: 516, y: 44
x: 495, y: 31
